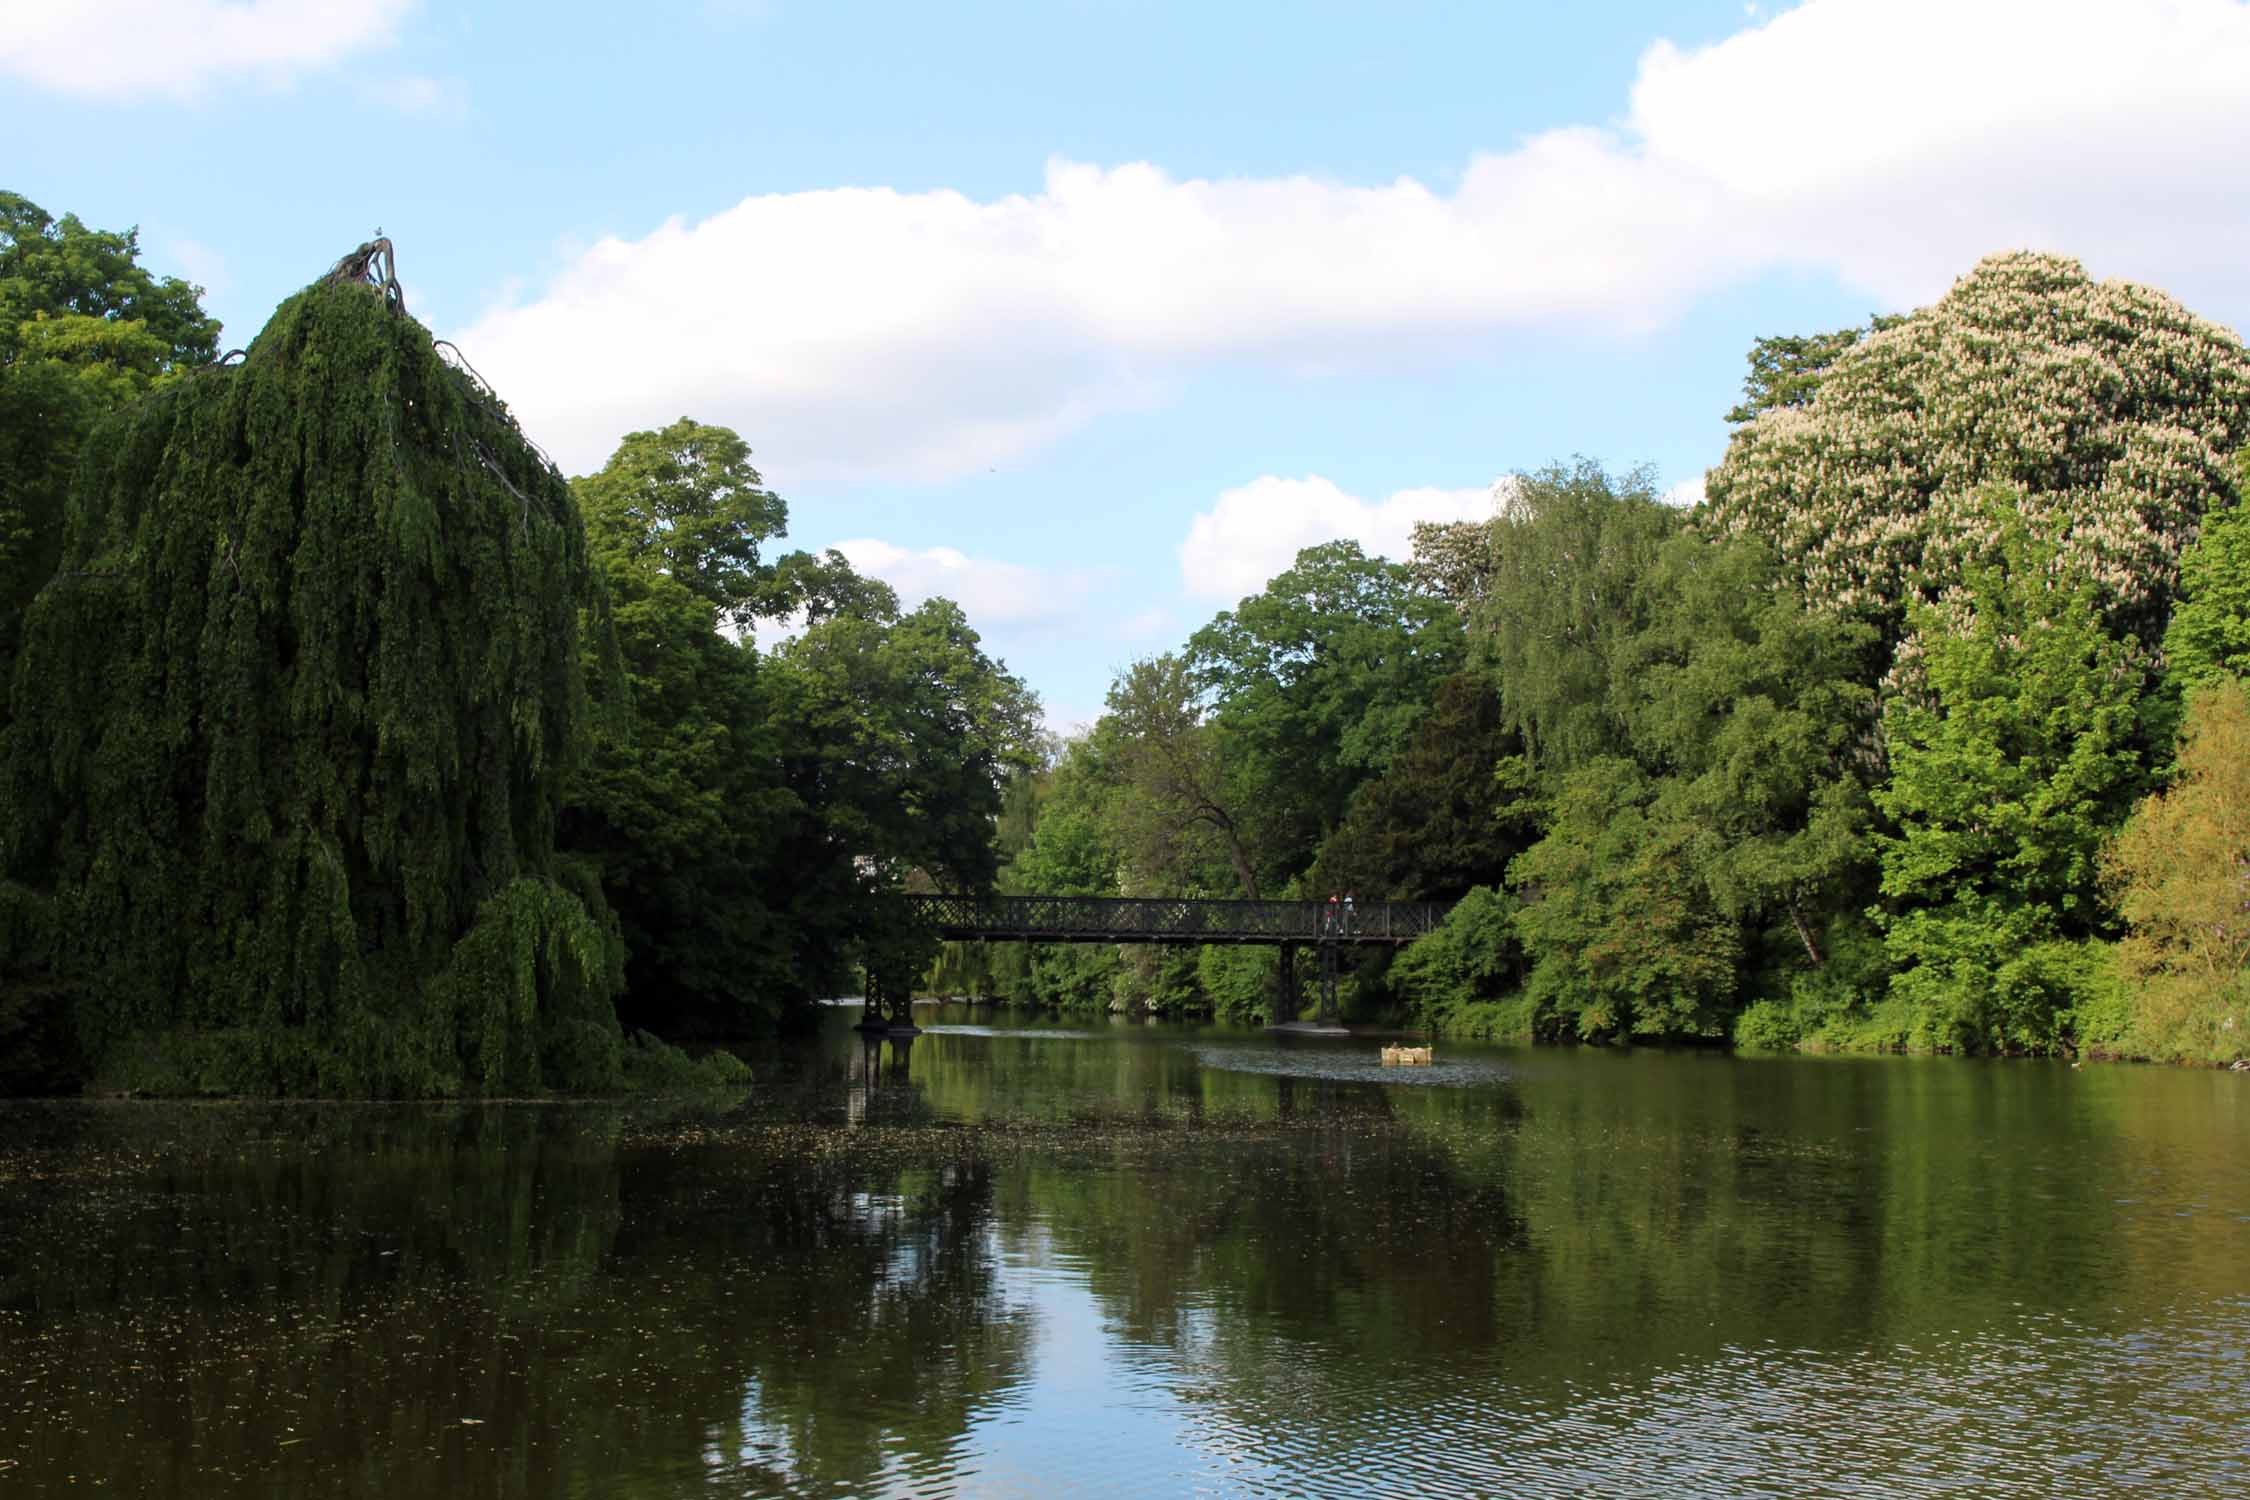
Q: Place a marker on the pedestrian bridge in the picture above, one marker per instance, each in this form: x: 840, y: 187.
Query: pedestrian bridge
x: 1173, y: 921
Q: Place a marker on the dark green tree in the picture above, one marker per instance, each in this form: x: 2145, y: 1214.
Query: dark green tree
x: 1317, y: 683
x: 292, y: 724
x: 1624, y: 938
x: 84, y: 330
x: 1786, y: 369
x: 898, y: 738
x: 1187, y: 808
x: 1444, y: 817
x: 681, y: 803
x: 1753, y: 712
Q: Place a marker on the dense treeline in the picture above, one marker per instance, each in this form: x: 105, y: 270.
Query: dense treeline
x: 349, y: 749
x: 1926, y: 729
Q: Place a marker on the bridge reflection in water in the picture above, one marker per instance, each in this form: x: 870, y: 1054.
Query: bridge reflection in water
x: 1329, y: 927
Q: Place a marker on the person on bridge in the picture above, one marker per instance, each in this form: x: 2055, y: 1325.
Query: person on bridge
x: 1347, y: 911
x: 1329, y: 917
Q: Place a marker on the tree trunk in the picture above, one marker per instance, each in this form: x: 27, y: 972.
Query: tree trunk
x: 1218, y: 819
x: 1812, y: 951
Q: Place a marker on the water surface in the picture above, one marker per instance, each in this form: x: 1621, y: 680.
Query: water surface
x: 1060, y: 1258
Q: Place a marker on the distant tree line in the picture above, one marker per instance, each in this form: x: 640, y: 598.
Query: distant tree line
x: 1926, y: 729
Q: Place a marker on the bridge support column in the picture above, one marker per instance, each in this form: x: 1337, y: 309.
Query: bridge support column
x: 1331, y: 976
x: 1285, y: 997
x: 890, y: 1004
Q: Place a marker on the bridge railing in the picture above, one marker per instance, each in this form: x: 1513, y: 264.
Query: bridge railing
x: 1127, y: 919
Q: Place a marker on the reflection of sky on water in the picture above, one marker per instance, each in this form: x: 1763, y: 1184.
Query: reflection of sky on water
x: 1356, y: 1062
x: 1338, y: 1059
x: 1032, y: 1033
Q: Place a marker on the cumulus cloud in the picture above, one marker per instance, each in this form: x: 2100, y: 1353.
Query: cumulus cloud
x: 133, y: 49
x: 1889, y: 143
x: 1687, y: 494
x: 1256, y: 530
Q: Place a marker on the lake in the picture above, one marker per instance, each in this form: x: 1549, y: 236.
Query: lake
x: 1031, y: 1257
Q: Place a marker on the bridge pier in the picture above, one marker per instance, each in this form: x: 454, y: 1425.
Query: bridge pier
x: 890, y: 1005
x: 1327, y: 1016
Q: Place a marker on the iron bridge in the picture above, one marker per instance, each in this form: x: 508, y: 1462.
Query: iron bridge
x: 1328, y: 927
x: 1177, y: 922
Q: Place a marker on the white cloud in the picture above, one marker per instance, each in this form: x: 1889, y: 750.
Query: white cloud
x: 133, y: 49
x: 1256, y: 530
x: 1890, y: 143
x: 993, y: 594
x: 1687, y: 494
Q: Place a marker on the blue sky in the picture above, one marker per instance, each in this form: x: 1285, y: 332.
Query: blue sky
x: 1087, y: 314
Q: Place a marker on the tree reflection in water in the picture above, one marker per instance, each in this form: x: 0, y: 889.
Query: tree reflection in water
x: 525, y: 1300
x: 1164, y: 1264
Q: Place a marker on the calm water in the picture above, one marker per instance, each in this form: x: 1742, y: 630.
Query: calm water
x: 1046, y: 1259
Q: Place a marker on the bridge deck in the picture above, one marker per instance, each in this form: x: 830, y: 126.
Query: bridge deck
x: 1172, y: 921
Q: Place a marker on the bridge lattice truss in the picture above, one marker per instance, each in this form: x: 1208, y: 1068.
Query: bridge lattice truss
x: 1172, y: 921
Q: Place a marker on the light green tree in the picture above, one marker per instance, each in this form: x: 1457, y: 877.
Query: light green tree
x: 2209, y: 634
x: 685, y: 502
x: 2180, y: 873
x: 2007, y: 777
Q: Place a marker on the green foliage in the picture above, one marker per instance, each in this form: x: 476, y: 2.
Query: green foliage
x: 1239, y: 983
x: 684, y: 503
x: 1440, y: 820
x: 84, y: 330
x: 1624, y: 939
x: 1319, y: 681
x: 901, y: 733
x: 1840, y: 1006
x: 649, y: 1066
x: 1475, y: 956
x: 291, y: 726
x: 1785, y: 370
x: 1567, y: 555
x: 2180, y: 873
x: 897, y: 737
x: 2209, y: 635
x: 1188, y: 801
x: 1069, y: 849
x: 680, y: 801
x: 1749, y: 708
x: 2005, y: 783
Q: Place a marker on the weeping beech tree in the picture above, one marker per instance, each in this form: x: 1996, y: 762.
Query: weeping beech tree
x: 291, y: 725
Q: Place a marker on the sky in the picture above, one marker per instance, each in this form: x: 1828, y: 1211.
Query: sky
x: 1089, y: 313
